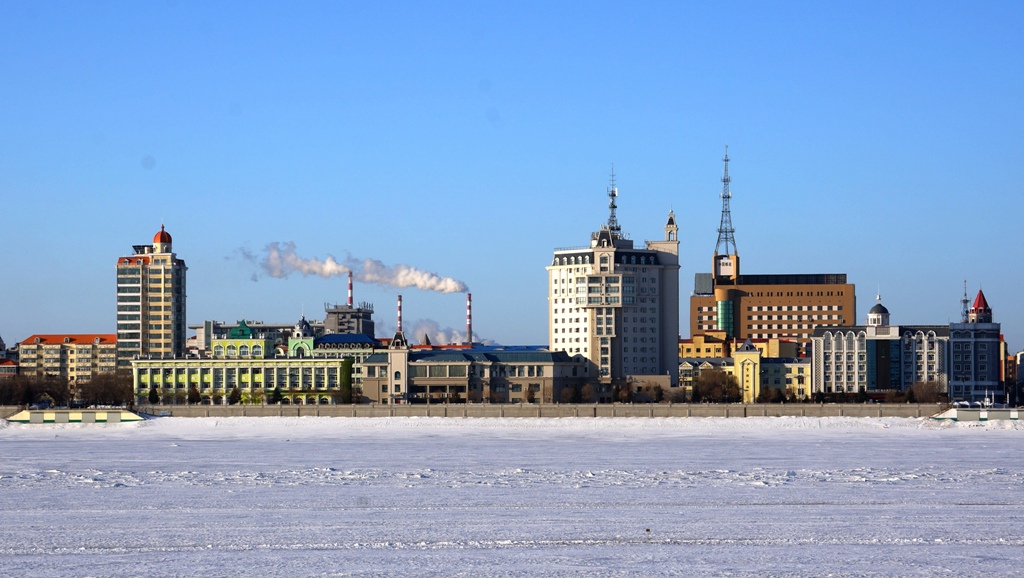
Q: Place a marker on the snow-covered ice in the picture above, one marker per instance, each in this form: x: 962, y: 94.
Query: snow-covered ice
x: 512, y: 497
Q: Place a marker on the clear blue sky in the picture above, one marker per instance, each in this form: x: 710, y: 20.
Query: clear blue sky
x: 882, y: 140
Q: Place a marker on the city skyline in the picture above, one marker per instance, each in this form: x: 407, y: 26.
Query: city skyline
x: 880, y: 142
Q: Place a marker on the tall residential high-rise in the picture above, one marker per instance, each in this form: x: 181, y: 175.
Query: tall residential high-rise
x: 617, y: 305
x: 150, y: 302
x: 764, y: 306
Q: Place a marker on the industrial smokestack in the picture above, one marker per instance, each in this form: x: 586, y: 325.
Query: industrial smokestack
x: 469, y: 319
x: 350, y: 288
x: 399, y: 313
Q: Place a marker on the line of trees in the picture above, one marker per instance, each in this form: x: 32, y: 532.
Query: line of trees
x: 102, y: 389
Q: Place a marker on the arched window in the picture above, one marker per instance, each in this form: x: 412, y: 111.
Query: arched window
x: 243, y: 351
x: 398, y: 375
x: 218, y: 350
x: 232, y: 351
x: 257, y: 351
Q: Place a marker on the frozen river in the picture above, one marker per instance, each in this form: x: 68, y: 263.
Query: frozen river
x: 512, y: 497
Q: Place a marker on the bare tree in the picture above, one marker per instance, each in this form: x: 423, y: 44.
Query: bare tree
x: 927, y: 392
x: 568, y: 394
x: 587, y: 394
x: 716, y: 387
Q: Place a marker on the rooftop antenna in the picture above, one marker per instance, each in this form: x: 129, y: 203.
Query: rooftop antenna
x: 965, y: 311
x: 613, y: 191
x: 726, y: 237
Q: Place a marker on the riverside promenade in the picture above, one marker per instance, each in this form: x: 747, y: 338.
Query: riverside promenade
x: 561, y: 410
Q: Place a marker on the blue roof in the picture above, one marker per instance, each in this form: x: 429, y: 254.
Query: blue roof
x: 343, y: 339
x: 481, y: 354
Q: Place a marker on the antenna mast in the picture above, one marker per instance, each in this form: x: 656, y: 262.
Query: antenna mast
x: 965, y: 311
x: 613, y: 191
x: 726, y: 238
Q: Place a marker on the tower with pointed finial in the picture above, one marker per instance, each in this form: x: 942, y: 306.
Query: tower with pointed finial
x: 979, y: 312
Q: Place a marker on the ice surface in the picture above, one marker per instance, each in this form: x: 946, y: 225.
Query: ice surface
x: 512, y: 497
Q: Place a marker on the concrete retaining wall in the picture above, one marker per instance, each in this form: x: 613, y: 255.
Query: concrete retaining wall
x: 546, y: 410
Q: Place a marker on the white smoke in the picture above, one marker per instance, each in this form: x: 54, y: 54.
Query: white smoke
x: 437, y: 334
x: 281, y: 260
x: 440, y: 335
x: 373, y: 271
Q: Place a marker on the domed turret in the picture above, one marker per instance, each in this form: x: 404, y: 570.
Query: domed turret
x: 162, y: 241
x: 878, y: 315
x: 302, y: 329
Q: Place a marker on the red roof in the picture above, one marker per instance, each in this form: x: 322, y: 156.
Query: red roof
x: 980, y: 303
x: 162, y: 237
x: 73, y: 338
x: 133, y: 261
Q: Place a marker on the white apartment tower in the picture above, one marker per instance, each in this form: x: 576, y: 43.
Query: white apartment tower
x: 150, y: 302
x: 618, y: 305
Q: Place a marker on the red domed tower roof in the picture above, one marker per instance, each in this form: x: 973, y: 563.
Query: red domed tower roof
x: 162, y: 237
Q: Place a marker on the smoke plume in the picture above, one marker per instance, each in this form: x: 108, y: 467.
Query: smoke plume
x: 439, y: 335
x: 281, y: 260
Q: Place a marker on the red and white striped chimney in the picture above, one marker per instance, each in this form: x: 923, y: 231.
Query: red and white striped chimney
x: 350, y: 289
x: 469, y: 319
x: 399, y: 313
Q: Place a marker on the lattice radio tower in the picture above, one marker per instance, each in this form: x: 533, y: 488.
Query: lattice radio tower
x: 726, y: 236
x: 613, y: 191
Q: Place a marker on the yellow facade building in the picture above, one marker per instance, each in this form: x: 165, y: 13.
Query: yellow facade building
x: 753, y: 372
x: 714, y: 343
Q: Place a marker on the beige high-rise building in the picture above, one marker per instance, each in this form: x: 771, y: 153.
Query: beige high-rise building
x: 151, y: 302
x: 617, y: 305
